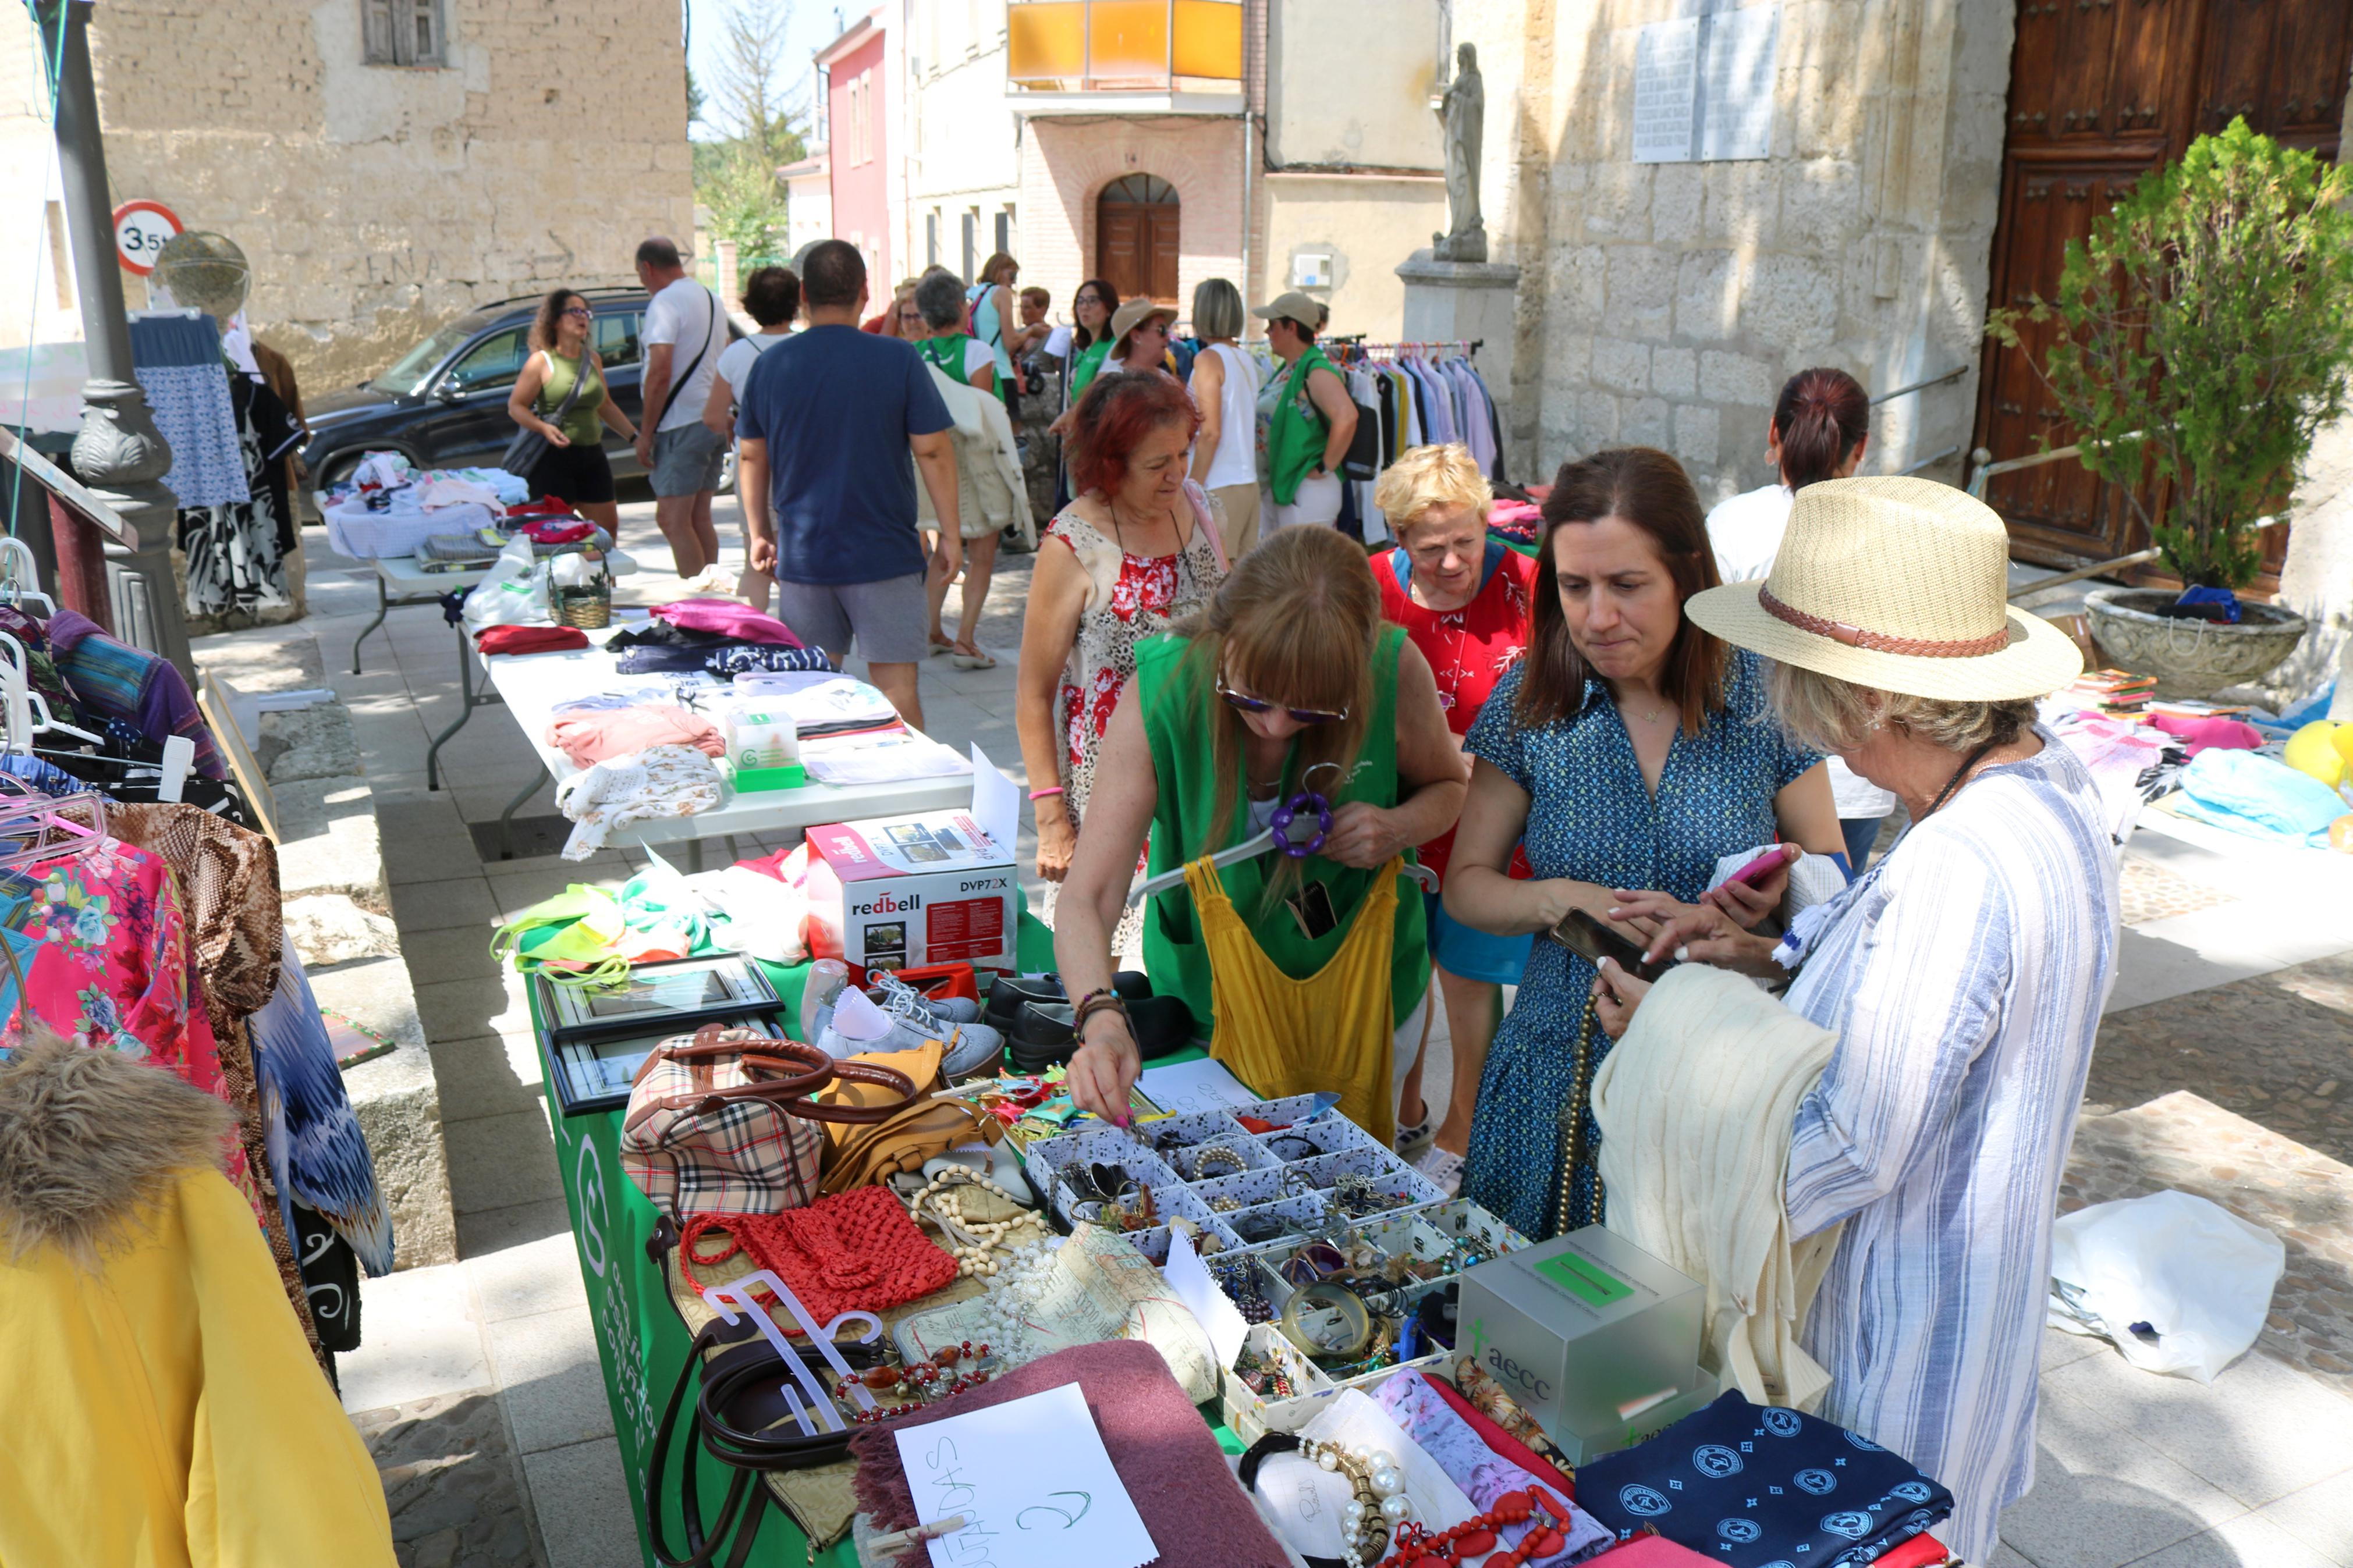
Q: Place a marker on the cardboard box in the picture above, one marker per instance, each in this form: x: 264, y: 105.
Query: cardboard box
x: 893, y: 892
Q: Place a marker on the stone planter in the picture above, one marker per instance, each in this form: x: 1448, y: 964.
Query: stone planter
x: 2190, y: 659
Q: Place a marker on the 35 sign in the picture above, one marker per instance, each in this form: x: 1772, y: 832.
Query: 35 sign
x: 140, y: 228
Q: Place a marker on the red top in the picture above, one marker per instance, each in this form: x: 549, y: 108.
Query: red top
x: 1469, y: 650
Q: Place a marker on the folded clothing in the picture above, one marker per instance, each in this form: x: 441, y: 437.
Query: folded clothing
x: 1413, y: 1402
x: 660, y: 781
x: 592, y: 737
x: 556, y: 530
x: 1195, y: 1511
x: 1752, y: 1486
x: 853, y: 1251
x: 2209, y: 734
x: 766, y: 657
x: 729, y: 618
x: 512, y: 639
x: 2252, y: 794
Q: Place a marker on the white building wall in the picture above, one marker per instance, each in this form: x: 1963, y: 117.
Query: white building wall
x: 964, y: 141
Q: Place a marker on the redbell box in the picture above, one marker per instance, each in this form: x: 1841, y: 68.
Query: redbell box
x: 894, y: 892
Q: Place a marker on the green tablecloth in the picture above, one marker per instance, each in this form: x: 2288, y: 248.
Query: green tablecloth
x: 640, y: 1343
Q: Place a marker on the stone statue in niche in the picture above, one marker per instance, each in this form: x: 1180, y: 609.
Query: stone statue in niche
x: 1459, y: 112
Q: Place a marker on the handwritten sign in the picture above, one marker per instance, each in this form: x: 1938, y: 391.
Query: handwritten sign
x: 1202, y: 1084
x: 1033, y: 1483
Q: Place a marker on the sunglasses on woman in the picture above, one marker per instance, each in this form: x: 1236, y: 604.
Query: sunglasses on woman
x: 580, y: 311
x: 1244, y: 703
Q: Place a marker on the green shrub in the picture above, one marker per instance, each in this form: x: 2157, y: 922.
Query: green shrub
x: 2204, y: 334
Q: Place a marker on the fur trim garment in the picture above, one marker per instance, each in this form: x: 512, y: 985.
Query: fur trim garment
x: 89, y: 1142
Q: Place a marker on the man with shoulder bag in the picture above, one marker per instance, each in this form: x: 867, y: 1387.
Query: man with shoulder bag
x: 684, y: 331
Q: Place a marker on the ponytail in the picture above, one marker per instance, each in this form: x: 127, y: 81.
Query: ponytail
x: 1822, y: 415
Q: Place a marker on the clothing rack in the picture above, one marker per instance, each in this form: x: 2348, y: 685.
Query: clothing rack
x: 1355, y: 350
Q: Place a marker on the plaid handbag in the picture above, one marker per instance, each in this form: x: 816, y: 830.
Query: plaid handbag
x: 726, y: 1121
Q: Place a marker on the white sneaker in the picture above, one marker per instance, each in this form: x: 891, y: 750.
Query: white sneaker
x: 1444, y: 1168
x: 1411, y: 1140
x: 854, y: 1024
x: 895, y: 995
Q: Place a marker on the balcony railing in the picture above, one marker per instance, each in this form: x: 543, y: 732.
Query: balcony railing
x: 1124, y: 46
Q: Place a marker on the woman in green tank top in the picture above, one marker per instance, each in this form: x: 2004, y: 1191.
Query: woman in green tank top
x: 1290, y: 679
x: 575, y: 468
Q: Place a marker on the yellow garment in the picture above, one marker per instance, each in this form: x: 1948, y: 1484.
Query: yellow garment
x: 1332, y: 1032
x: 165, y: 1411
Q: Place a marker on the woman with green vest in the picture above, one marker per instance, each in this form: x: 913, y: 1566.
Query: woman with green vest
x: 1289, y: 685
x: 1315, y: 418
x: 574, y: 467
x: 945, y: 344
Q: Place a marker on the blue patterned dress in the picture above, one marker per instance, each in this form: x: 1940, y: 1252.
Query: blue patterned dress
x: 1591, y: 818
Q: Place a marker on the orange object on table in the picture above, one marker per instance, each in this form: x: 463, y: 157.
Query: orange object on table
x: 938, y: 981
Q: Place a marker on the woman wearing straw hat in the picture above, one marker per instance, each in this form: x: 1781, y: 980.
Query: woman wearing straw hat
x: 1964, y: 974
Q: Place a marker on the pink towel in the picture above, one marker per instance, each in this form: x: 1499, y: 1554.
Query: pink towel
x: 2209, y: 734
x: 728, y: 619
x: 1196, y: 1512
x: 599, y: 734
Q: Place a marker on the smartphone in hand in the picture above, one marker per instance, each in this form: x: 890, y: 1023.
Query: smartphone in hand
x: 1581, y: 934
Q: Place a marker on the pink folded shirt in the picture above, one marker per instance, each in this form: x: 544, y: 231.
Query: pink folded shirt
x: 728, y: 619
x: 594, y: 736
x: 2209, y: 734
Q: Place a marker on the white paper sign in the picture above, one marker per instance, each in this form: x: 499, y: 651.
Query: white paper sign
x: 1032, y: 1479
x: 995, y: 802
x: 1182, y: 1087
x: 1736, y: 84
x: 1189, y: 1277
x: 1666, y: 83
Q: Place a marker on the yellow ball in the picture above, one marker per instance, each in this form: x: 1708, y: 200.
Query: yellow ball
x: 2342, y: 739
x: 2314, y: 749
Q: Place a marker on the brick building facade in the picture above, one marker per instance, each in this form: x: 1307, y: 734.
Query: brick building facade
x: 501, y: 147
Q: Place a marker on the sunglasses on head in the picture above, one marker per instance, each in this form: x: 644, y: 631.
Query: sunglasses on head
x: 1244, y: 703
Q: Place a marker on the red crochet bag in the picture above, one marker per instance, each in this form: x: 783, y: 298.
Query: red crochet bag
x: 857, y: 1251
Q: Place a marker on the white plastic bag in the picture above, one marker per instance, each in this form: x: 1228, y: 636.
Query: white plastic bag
x: 2179, y: 1285
x: 513, y: 594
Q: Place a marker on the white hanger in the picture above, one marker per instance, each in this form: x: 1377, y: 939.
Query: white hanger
x: 20, y: 575
x: 1423, y: 876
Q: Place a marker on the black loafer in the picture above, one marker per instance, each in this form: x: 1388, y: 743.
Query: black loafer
x: 1161, y: 1025
x: 1011, y: 992
x: 1044, y: 1034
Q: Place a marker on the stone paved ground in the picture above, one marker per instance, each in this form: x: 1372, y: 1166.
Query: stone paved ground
x: 450, y: 1481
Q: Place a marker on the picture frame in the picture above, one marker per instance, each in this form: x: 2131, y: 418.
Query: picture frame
x: 595, y: 1073
x: 673, y: 997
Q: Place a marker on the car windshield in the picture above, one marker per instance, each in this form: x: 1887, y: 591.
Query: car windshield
x: 407, y: 378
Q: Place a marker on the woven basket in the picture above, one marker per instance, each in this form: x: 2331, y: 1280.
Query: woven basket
x: 590, y: 609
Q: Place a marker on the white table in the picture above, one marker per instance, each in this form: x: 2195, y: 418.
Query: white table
x: 532, y: 684
x: 400, y: 580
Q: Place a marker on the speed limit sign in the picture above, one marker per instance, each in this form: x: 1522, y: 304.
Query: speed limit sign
x: 140, y: 230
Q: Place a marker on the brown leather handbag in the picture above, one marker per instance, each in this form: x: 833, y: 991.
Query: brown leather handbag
x: 903, y: 1136
x: 728, y: 1120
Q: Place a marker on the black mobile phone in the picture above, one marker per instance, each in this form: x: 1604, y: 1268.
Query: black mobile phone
x: 1311, y: 908
x: 1581, y: 934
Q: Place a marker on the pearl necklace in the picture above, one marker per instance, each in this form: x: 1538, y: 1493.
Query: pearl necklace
x: 971, y: 1242
x: 1013, y: 1295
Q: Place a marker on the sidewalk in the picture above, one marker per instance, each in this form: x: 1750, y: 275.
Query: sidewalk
x: 478, y: 1382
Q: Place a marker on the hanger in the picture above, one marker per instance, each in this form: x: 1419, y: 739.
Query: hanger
x: 39, y: 825
x: 1249, y: 850
x: 17, y: 570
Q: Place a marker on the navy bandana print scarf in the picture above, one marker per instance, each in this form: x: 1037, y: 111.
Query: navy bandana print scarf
x: 1759, y: 1488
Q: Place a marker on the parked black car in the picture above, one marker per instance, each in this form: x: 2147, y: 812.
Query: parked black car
x: 443, y: 405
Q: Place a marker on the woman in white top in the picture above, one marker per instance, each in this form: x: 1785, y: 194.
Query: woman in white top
x: 772, y: 296
x: 1225, y: 389
x: 1821, y: 423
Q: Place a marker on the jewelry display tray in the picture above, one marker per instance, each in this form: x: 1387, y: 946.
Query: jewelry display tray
x: 1269, y: 1186
x: 1428, y: 1234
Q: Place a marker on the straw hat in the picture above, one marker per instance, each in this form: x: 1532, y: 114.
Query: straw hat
x: 1898, y: 584
x: 1134, y: 314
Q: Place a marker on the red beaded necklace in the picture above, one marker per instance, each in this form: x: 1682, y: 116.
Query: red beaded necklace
x: 1417, y: 1547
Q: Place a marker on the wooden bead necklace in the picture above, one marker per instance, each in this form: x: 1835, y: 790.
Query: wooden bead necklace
x: 973, y: 1243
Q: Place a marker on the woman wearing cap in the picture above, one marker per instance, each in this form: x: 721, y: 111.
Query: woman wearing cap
x: 1963, y: 975
x: 1629, y: 748
x: 1315, y: 418
x: 1820, y: 429
x: 1288, y: 682
x: 1463, y: 599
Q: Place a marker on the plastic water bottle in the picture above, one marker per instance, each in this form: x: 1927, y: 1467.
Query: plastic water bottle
x: 826, y: 979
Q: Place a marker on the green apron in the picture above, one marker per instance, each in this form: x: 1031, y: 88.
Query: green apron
x: 1176, y: 701
x: 947, y: 355
x: 1296, y: 436
x: 1084, y: 368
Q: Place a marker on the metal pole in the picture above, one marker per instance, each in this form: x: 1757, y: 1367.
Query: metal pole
x: 119, y: 452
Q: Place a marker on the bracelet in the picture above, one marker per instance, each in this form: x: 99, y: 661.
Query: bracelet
x: 1042, y: 794
x: 1102, y: 999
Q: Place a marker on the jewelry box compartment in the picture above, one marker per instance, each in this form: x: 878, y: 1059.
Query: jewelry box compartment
x: 1329, y: 1134
x: 1383, y: 1174
x: 1263, y: 1225
x: 1059, y: 1167
x: 1179, y: 1203
x: 1251, y: 1413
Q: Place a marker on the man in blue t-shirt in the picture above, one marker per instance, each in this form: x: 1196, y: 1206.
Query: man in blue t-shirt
x: 826, y: 422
